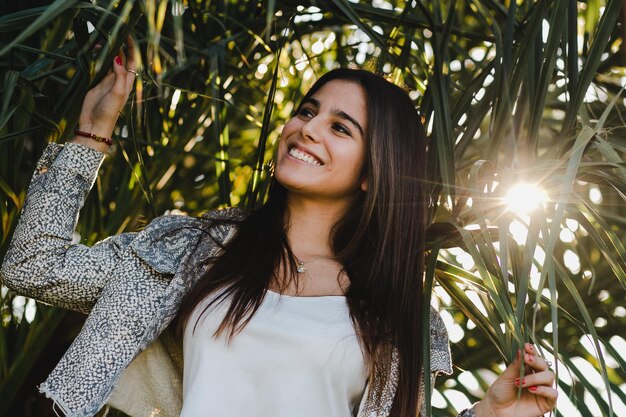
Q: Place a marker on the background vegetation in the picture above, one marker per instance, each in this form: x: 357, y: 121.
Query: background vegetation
x: 526, y: 91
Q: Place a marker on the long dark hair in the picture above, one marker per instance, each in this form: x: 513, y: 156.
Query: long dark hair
x: 379, y: 242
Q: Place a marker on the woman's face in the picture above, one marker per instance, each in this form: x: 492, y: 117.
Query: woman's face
x: 322, y: 149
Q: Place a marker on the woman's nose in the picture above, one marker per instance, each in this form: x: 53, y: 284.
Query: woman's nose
x: 311, y: 129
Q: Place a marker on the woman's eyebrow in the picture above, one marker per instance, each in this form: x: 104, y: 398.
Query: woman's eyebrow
x: 337, y: 112
x: 347, y: 117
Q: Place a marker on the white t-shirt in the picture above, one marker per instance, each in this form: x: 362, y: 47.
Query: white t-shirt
x: 297, y: 357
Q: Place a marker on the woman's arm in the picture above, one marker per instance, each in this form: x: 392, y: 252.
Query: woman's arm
x: 41, y: 261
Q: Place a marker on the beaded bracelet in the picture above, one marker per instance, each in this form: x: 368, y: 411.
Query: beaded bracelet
x: 94, y: 137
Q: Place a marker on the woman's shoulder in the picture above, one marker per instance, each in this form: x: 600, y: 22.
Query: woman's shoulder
x: 184, y: 227
x: 165, y: 241
x: 229, y: 214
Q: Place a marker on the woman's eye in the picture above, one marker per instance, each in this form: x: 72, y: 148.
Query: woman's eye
x: 304, y: 112
x: 341, y: 128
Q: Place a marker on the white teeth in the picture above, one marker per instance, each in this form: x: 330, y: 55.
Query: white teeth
x: 303, y: 157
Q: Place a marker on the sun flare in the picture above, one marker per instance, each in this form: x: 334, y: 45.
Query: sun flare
x: 523, y: 198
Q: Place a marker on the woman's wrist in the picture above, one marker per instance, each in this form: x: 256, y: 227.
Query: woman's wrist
x: 91, y: 143
x: 482, y: 409
x: 87, y: 130
x: 105, y: 130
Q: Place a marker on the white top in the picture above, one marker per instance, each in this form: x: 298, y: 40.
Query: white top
x: 298, y: 356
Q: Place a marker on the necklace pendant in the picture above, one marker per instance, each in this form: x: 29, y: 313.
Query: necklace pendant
x: 301, y: 268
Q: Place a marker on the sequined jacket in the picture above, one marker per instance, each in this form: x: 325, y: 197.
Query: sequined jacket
x: 131, y: 286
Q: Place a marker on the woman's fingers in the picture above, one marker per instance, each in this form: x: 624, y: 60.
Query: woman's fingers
x: 125, y: 70
x: 533, y: 360
x: 119, y: 86
x: 548, y: 394
x: 540, y: 378
x: 131, y: 65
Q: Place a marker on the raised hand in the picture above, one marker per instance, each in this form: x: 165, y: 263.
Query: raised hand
x: 104, y: 102
x: 537, y: 396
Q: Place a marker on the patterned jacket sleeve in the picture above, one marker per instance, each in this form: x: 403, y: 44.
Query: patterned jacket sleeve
x: 42, y: 262
x: 441, y: 360
x: 440, y: 357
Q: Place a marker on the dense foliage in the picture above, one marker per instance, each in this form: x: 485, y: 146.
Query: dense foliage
x: 526, y: 92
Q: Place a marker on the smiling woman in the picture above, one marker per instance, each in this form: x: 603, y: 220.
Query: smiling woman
x: 327, y: 133
x: 347, y: 192
x: 311, y: 305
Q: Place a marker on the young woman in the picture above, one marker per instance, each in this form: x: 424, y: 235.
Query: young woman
x: 309, y: 306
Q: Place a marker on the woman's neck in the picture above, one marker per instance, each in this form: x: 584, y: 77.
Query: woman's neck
x: 310, y: 224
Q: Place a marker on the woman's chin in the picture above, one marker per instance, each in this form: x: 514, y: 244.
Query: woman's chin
x: 292, y: 178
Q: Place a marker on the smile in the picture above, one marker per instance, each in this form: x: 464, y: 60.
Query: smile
x: 303, y: 156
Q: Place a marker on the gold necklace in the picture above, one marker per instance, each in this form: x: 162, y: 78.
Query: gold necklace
x: 301, y: 268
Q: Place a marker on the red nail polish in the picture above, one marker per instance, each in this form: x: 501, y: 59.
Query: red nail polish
x: 533, y: 388
x: 118, y: 60
x: 516, y: 381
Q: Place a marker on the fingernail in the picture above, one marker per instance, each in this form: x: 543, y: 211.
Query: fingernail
x: 118, y: 60
x: 533, y: 388
x: 516, y: 381
x: 530, y: 358
x: 529, y: 346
